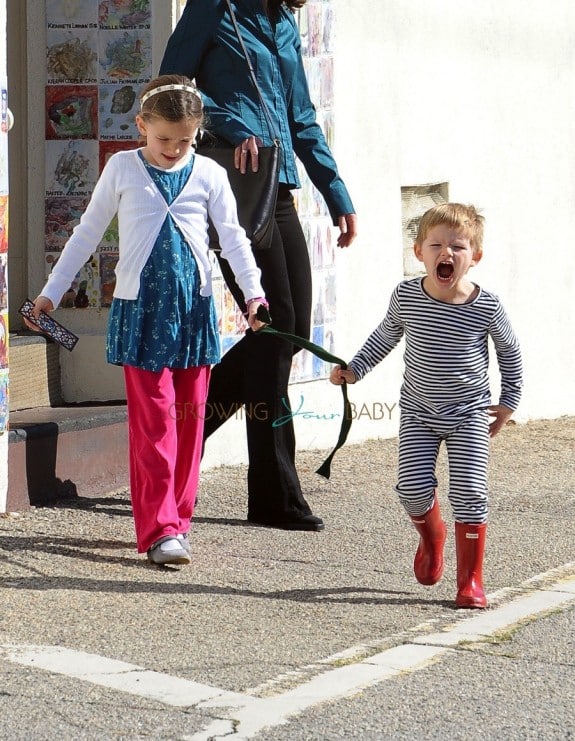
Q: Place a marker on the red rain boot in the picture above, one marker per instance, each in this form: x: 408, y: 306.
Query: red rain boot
x: 428, y: 561
x: 469, y: 545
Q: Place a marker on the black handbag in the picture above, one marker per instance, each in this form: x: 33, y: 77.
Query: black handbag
x: 255, y: 192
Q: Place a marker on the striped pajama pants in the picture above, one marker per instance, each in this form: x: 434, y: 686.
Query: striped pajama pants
x: 467, y: 450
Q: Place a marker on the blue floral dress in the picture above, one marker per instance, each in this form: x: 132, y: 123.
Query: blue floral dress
x: 169, y: 325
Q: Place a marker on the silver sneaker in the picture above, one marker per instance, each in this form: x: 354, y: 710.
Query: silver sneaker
x: 168, y: 551
x: 185, y: 542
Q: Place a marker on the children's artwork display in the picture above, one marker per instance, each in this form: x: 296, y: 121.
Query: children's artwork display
x: 4, y: 329
x: 315, y: 22
x: 99, y: 54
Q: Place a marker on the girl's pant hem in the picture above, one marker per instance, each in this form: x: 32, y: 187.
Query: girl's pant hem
x: 165, y: 426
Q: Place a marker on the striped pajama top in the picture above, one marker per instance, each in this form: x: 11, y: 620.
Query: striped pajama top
x: 446, y: 352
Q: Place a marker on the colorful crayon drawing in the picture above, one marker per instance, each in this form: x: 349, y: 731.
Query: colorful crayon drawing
x: 71, y: 167
x: 85, y: 288
x: 71, y: 12
x: 108, y: 276
x: 125, y: 55
x: 3, y: 340
x: 71, y: 57
x: 61, y: 216
x: 117, y: 110
x: 3, y: 224
x: 3, y: 282
x: 71, y: 112
x: 108, y: 148
x: 3, y: 401
x: 124, y: 14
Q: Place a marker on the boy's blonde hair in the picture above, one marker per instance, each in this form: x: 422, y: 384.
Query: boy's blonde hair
x: 457, y: 216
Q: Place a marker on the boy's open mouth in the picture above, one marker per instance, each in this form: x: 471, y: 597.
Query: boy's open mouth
x: 444, y: 271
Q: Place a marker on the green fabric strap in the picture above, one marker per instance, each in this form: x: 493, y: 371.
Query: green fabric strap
x: 320, y: 352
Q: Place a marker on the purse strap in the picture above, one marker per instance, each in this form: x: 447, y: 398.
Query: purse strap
x: 265, y: 107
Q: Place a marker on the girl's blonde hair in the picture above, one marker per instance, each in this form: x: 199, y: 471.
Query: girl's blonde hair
x: 178, y: 102
x: 456, y: 216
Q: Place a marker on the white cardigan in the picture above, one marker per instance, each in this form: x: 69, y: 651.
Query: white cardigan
x: 126, y: 188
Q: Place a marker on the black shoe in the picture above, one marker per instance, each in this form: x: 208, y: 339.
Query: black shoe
x: 305, y: 522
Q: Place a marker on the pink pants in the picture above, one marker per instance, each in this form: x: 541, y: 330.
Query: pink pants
x: 165, y: 424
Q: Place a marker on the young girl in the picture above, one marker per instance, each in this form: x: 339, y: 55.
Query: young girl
x: 162, y: 325
x: 445, y: 396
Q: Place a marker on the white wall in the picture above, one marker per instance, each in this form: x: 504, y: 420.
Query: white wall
x: 479, y: 95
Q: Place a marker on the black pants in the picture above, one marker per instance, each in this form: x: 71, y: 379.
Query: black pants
x: 255, y: 372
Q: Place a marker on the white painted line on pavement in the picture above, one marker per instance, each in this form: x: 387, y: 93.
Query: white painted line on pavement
x: 486, y: 624
x: 121, y: 676
x: 244, y: 715
x: 409, y: 657
x: 332, y: 685
x: 555, y: 575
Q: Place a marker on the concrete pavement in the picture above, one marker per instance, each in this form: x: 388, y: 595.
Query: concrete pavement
x: 279, y: 635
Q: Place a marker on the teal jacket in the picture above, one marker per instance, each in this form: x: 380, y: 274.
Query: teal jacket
x: 204, y: 47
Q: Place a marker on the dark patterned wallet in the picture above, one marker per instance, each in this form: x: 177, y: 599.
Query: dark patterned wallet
x: 49, y: 326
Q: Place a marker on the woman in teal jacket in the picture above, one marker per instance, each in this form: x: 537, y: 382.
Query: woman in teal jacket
x: 255, y: 372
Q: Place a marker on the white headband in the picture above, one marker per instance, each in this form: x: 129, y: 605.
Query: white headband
x: 167, y: 88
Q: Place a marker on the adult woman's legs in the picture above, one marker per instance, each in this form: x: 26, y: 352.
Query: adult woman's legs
x: 256, y: 371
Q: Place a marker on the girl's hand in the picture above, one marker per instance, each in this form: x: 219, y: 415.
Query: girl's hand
x: 253, y: 322
x: 41, y: 303
x: 338, y: 376
x: 502, y: 415
x: 247, y: 150
x: 348, y: 229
